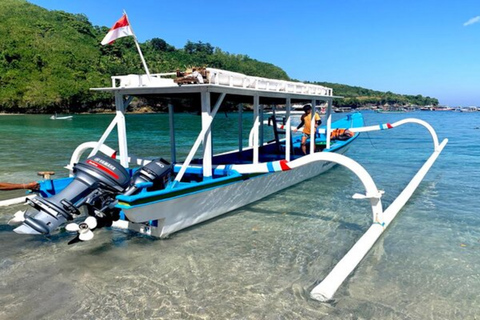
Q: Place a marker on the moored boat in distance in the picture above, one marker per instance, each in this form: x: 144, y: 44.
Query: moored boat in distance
x: 427, y: 108
x: 467, y: 109
x: 56, y: 117
x: 392, y: 110
x: 443, y: 108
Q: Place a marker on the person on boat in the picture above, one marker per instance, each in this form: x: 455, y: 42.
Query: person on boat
x: 305, y: 122
x: 197, y: 75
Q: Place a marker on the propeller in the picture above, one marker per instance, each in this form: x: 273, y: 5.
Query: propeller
x: 17, y: 218
x: 84, y: 229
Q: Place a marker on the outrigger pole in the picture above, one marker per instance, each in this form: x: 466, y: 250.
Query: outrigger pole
x: 327, y: 288
x: 381, y: 219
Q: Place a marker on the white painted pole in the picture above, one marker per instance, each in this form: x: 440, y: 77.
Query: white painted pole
x: 240, y: 127
x: 288, y: 130
x: 327, y: 288
x: 312, y: 126
x: 256, y: 126
x: 199, y: 140
x: 329, y: 123
x: 207, y: 120
x: 103, y: 137
x: 121, y: 129
x: 171, y: 120
x: 260, y: 126
x: 387, y: 126
x: 138, y: 47
x: 85, y: 146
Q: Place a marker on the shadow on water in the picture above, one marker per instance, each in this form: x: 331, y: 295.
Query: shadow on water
x: 342, y: 224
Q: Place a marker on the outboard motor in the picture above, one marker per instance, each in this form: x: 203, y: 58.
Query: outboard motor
x: 98, y: 180
x: 157, y: 171
x: 99, y: 176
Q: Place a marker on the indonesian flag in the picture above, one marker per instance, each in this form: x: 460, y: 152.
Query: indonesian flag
x: 120, y: 29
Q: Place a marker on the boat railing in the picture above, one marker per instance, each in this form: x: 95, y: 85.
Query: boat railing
x: 235, y: 79
x: 222, y: 78
x: 143, y: 80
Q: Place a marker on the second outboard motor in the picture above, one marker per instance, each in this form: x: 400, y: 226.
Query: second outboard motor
x: 98, y: 177
x: 157, y: 171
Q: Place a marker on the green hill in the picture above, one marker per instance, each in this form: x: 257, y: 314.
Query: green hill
x: 357, y: 96
x: 50, y: 59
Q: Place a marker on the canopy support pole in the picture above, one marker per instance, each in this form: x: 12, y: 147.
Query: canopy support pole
x: 207, y: 119
x: 313, y: 112
x: 256, y: 126
x: 288, y: 131
x: 205, y: 127
x: 240, y: 127
x: 329, y: 123
x: 171, y: 118
x: 119, y: 121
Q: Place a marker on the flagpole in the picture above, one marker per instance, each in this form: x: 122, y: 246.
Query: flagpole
x: 138, y: 46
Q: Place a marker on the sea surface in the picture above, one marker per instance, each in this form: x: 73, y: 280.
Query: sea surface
x: 260, y: 261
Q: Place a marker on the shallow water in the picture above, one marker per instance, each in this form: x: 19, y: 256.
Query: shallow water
x: 261, y: 261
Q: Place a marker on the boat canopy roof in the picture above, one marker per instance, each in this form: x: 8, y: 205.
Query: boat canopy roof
x: 216, y: 81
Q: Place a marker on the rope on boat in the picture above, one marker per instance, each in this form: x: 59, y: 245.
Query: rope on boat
x: 17, y: 186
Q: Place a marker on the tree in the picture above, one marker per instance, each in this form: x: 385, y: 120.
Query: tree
x: 161, y: 45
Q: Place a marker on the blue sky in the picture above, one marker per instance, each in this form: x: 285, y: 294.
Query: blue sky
x: 422, y: 47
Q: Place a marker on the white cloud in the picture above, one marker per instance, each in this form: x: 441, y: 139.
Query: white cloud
x: 472, y: 21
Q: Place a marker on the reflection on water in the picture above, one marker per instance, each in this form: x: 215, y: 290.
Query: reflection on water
x: 261, y: 261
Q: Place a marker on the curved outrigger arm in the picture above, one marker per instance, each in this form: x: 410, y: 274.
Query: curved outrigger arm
x: 327, y: 288
x: 86, y: 146
x: 80, y: 150
x: 372, y: 193
x: 381, y: 219
x: 386, y: 126
x: 379, y: 127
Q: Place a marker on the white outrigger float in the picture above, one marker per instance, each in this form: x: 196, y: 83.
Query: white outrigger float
x: 158, y: 197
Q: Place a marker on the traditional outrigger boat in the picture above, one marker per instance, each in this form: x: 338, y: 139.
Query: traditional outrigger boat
x: 159, y: 197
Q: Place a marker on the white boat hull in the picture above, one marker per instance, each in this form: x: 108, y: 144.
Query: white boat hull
x: 181, y: 212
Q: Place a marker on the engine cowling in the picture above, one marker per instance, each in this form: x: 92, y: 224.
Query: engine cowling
x: 98, y: 176
x: 97, y: 181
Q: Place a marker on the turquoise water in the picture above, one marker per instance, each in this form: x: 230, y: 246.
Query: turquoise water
x: 261, y: 261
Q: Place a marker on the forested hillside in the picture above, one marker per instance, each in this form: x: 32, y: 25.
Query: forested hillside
x: 50, y: 59
x: 357, y: 96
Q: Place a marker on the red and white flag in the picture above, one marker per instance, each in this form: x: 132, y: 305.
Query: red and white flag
x: 120, y: 29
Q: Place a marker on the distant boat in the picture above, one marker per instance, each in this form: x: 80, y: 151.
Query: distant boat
x: 427, y: 108
x: 403, y: 110
x: 443, y: 109
x: 467, y: 109
x: 55, y: 117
